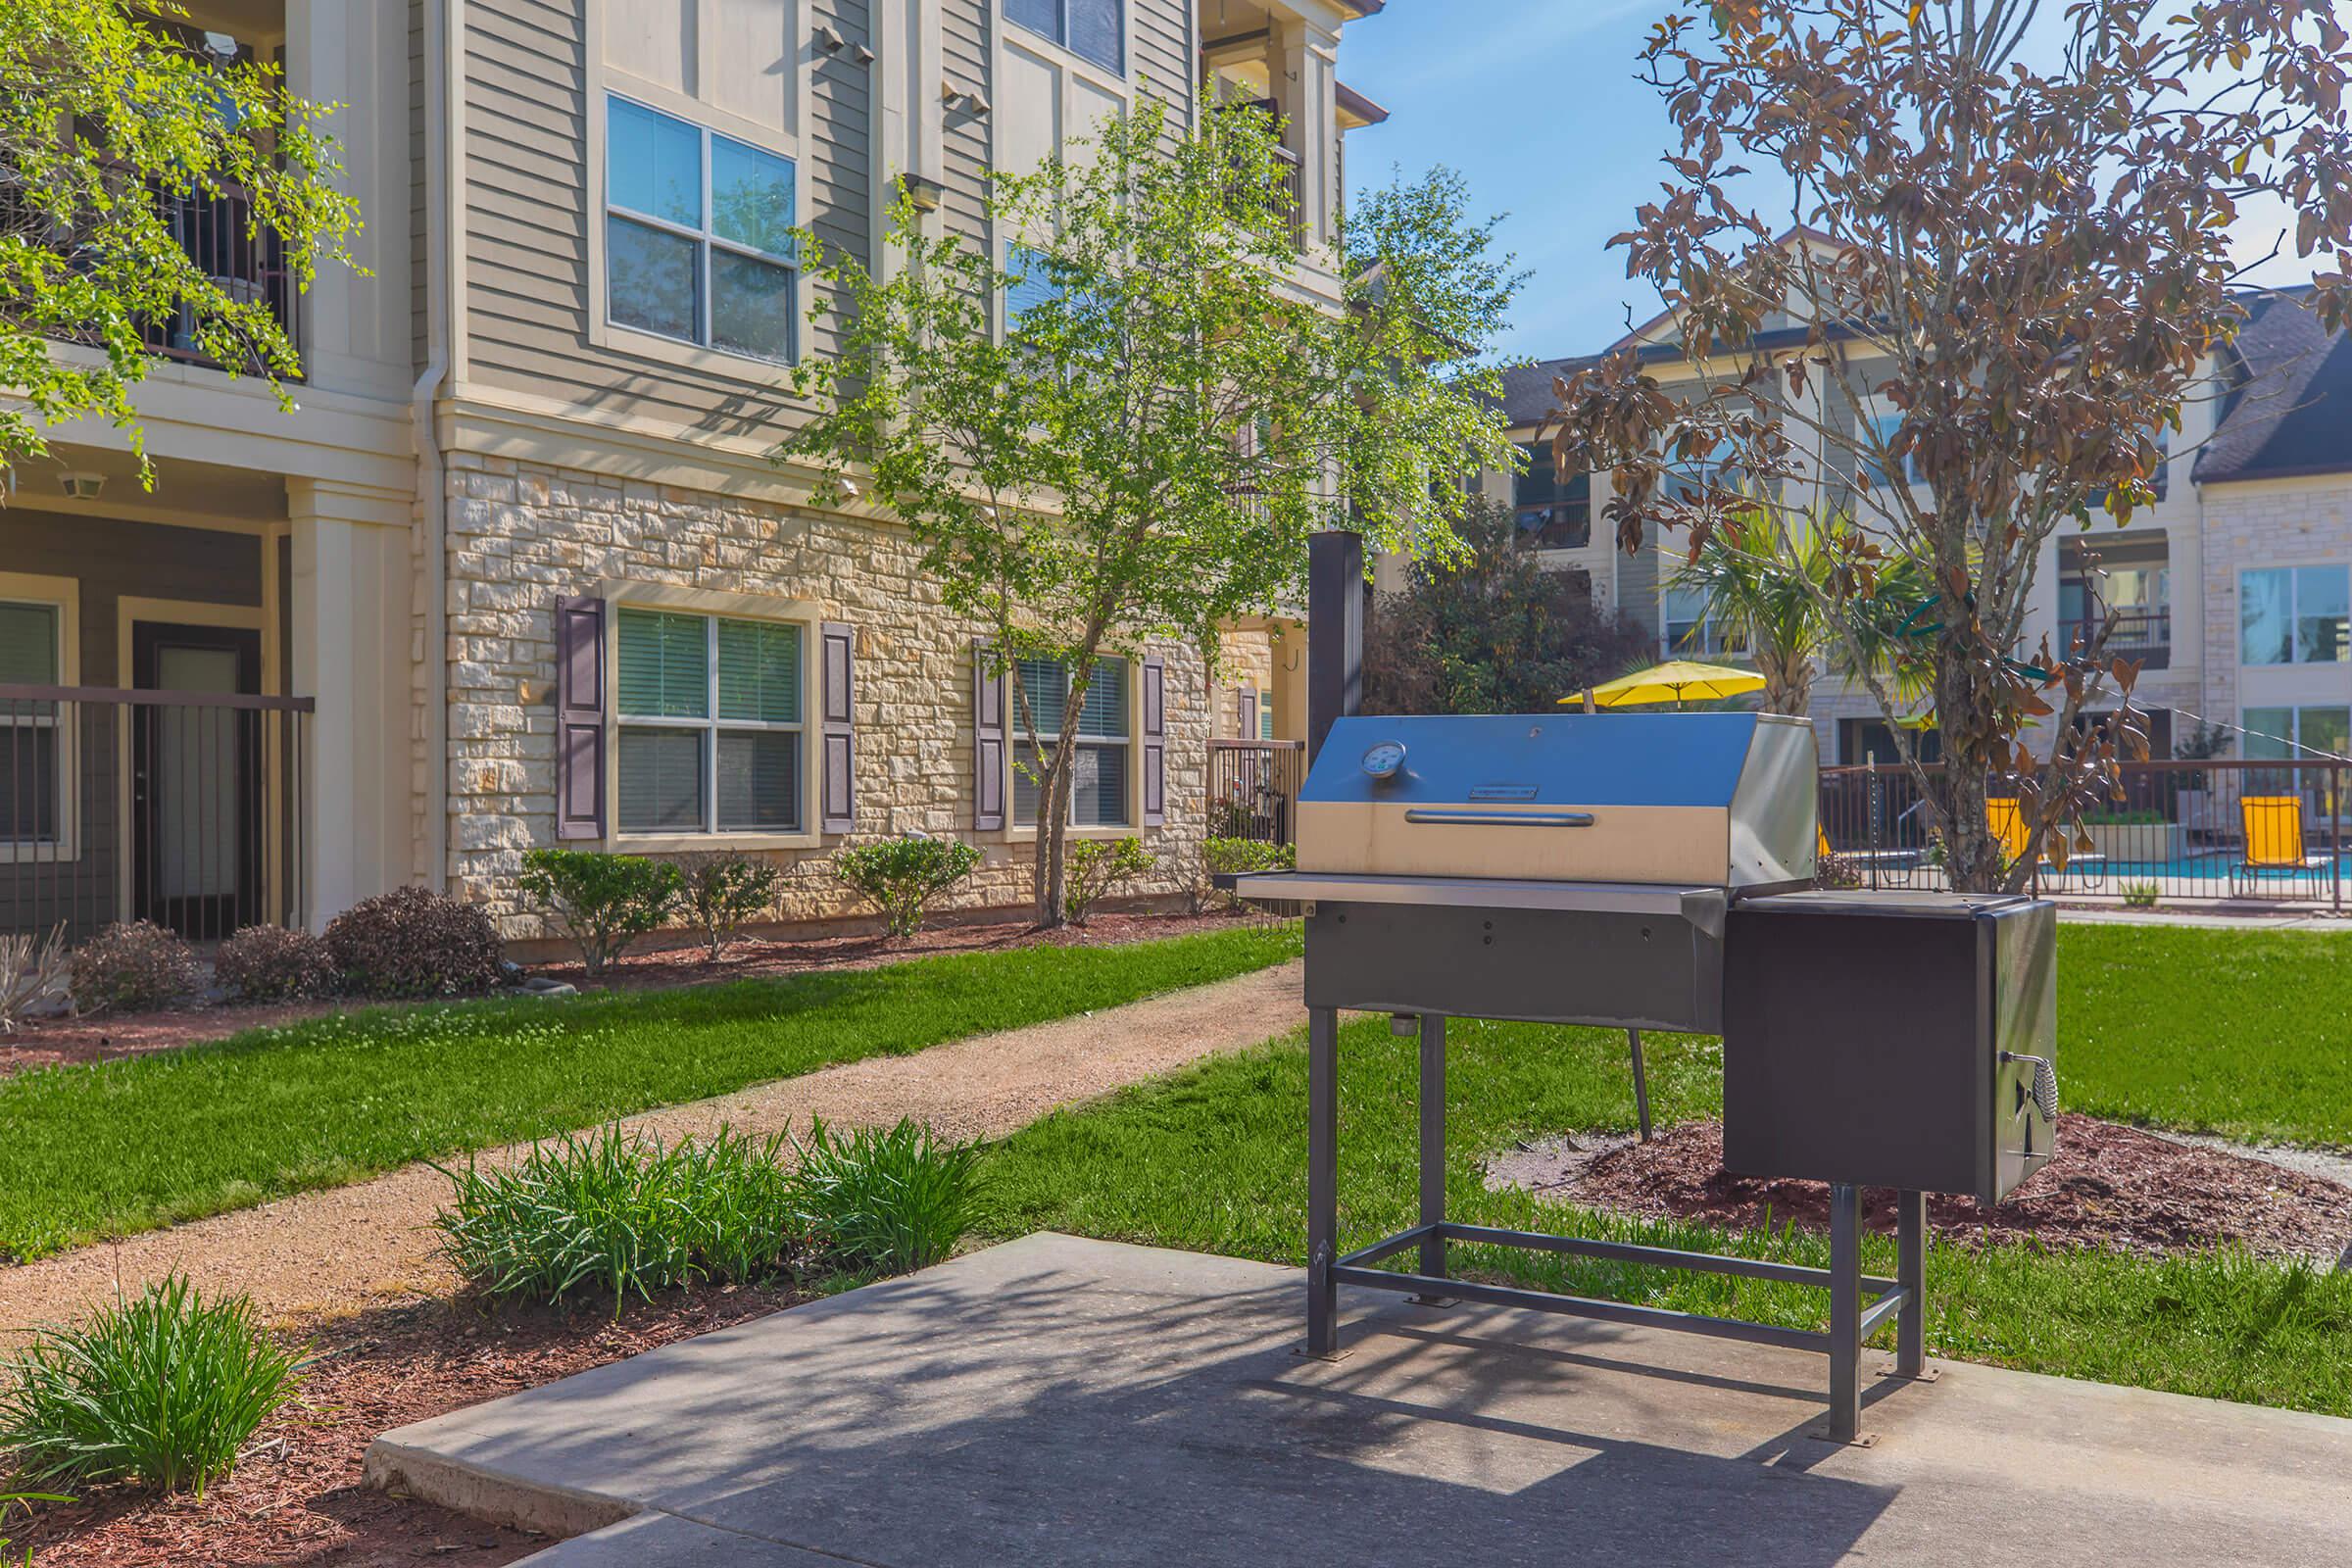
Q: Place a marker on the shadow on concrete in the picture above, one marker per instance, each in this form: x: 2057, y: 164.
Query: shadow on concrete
x: 1013, y: 1407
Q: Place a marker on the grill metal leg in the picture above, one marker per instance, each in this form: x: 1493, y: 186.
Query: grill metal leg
x: 1845, y: 1313
x: 1322, y: 1180
x: 1911, y: 1273
x: 1433, y: 1149
x: 1640, y: 1081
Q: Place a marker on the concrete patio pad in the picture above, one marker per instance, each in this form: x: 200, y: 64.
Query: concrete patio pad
x: 1064, y: 1402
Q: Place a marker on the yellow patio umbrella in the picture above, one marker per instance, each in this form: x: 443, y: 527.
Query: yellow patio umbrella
x: 1678, y: 681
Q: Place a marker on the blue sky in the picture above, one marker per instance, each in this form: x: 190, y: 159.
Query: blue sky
x: 1536, y: 104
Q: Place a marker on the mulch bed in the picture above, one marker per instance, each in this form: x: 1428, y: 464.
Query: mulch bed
x: 759, y: 958
x: 2110, y: 1186
x: 296, y: 1500
x: 50, y: 1042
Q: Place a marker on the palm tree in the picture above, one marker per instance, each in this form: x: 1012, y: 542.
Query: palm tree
x: 1787, y: 591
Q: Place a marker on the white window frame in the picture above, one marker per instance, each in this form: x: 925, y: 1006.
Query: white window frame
x: 63, y: 595
x: 707, y: 240
x: 2295, y: 616
x: 714, y: 608
x: 1020, y: 738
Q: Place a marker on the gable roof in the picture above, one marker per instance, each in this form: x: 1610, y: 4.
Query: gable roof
x: 2289, y: 410
x: 1526, y: 392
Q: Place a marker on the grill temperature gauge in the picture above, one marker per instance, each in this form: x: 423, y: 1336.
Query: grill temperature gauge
x: 1385, y: 759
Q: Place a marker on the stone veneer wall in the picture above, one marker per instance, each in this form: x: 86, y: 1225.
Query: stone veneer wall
x: 521, y: 534
x: 2269, y: 523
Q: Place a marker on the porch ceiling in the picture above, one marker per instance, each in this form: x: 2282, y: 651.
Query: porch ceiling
x: 193, y: 494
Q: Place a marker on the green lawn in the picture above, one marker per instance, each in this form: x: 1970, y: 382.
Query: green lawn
x: 2247, y: 1033
x: 94, y: 1150
x: 2223, y: 1326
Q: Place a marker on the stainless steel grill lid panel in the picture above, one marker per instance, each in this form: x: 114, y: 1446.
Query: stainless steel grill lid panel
x: 1719, y: 798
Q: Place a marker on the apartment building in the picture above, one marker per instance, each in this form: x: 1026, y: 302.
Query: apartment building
x: 2234, y: 591
x: 519, y: 569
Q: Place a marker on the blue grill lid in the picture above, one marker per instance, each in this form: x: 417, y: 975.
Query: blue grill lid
x: 1548, y: 759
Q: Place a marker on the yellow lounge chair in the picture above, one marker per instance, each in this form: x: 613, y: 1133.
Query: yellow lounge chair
x: 2007, y: 825
x: 2274, y: 844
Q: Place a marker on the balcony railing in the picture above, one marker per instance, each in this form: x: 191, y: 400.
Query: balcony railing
x: 216, y: 233
x: 181, y: 808
x: 1253, y: 788
x: 2145, y: 634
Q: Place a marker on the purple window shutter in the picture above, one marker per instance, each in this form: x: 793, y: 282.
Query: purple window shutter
x: 1155, y: 741
x: 988, y: 741
x: 838, y: 645
x: 1249, y: 713
x: 580, y: 697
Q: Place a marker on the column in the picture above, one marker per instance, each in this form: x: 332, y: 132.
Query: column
x: 1305, y: 61
x: 352, y: 645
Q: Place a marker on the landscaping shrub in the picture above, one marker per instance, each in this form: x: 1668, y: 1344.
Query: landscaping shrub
x: 1834, y: 871
x: 621, y: 1215
x: 904, y: 875
x: 1096, y: 866
x: 1232, y: 856
x: 624, y: 1215
x: 163, y: 1390
x: 720, y: 891
x: 413, y: 941
x: 2141, y: 895
x: 133, y: 966
x: 275, y: 962
x: 603, y: 902
x: 32, y: 970
x: 889, y: 1202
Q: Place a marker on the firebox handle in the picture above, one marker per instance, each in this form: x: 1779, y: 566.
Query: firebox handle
x: 1434, y: 817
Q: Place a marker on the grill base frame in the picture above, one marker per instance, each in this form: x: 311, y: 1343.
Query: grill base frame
x: 1852, y: 1319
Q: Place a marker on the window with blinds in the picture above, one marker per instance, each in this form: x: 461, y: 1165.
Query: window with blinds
x: 31, y: 761
x: 1103, y: 765
x: 710, y: 723
x: 1091, y: 30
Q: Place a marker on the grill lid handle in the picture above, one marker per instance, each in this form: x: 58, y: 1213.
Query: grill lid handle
x: 1435, y: 817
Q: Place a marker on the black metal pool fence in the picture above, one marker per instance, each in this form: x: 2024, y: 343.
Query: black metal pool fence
x: 2263, y: 831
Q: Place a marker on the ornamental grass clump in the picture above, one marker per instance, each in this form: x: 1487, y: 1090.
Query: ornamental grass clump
x: 623, y: 1214
x: 162, y: 1392
x: 884, y: 1200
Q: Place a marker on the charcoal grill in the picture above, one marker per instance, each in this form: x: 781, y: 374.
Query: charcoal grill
x: 1654, y: 871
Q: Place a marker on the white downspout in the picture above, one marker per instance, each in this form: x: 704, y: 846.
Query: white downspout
x: 444, y: 45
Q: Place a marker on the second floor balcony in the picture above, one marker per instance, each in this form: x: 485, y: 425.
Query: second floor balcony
x: 2143, y: 633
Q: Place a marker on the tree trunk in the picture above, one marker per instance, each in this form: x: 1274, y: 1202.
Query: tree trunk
x: 1972, y: 858
x: 1788, y: 681
x: 1054, y: 806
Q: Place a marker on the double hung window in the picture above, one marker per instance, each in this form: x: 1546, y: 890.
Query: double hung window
x: 1105, y: 742
x: 698, y: 235
x: 710, y: 723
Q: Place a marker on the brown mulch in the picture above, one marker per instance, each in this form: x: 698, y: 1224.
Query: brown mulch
x: 2109, y: 1185
x: 50, y: 1042
x: 296, y: 1502
x: 762, y: 958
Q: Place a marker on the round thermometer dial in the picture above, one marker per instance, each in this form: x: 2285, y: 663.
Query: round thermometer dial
x: 1385, y: 759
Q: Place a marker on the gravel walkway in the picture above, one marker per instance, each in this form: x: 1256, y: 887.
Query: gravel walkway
x: 322, y: 1253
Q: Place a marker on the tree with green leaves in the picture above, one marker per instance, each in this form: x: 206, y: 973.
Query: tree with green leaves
x: 1125, y: 427
x: 1775, y: 583
x: 1985, y: 246
x: 113, y: 116
x: 1496, y: 631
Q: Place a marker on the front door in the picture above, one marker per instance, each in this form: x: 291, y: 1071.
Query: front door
x: 196, y: 774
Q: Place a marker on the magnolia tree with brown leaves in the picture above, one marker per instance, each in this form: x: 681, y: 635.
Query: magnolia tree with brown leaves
x: 2005, y: 226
